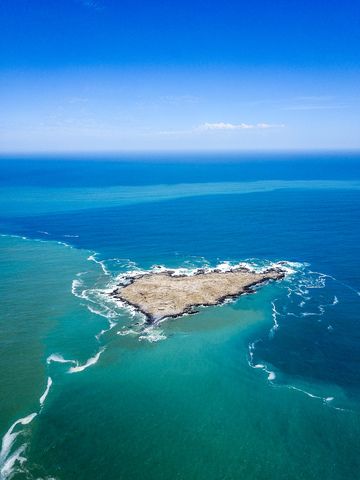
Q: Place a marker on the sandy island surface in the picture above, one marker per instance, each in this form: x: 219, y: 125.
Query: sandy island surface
x: 160, y: 295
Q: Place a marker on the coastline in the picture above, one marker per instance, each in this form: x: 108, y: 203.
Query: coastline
x: 160, y: 295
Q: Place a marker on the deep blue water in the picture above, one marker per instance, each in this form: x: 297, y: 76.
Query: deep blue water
x: 306, y: 338
x: 170, y: 168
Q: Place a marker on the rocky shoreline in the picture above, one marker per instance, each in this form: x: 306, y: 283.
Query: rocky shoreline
x: 162, y: 295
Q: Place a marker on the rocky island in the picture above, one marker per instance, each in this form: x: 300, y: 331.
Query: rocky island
x: 161, y: 295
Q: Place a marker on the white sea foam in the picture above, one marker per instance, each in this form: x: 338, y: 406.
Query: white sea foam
x: 314, y: 282
x: 75, y: 286
x: 100, y: 306
x: 81, y: 273
x: 126, y: 332
x: 7, y: 469
x: 152, y: 334
x: 91, y: 361
x: 131, y: 310
x: 55, y: 357
x: 274, y: 315
x: 99, y: 262
x: 14, y: 236
x: 251, y: 353
x: 271, y: 374
x: 327, y: 401
x: 100, y: 302
x: 305, y: 392
x: 225, y: 266
x: 289, y: 267
x: 96, y: 311
x: 7, y: 462
x: 65, y: 244
x: 112, y: 325
x: 260, y: 365
x: 341, y: 283
x: 43, y: 397
x: 301, y: 285
x: 102, y: 310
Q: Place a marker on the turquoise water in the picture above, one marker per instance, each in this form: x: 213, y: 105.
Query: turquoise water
x: 264, y: 387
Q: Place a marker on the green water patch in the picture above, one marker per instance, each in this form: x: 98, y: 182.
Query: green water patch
x: 36, y: 301
x: 189, y: 407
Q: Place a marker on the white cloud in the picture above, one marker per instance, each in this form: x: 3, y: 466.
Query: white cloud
x: 78, y: 100
x: 213, y: 127
x: 316, y: 107
x: 179, y: 99
x: 229, y: 126
x: 316, y: 98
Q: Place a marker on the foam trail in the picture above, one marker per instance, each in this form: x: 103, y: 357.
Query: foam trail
x: 43, y: 397
x: 91, y: 361
x: 92, y: 257
x: 108, y: 315
x: 326, y: 401
x: 54, y: 357
x: 306, y: 393
x: 7, y: 469
x: 8, y: 440
x: 276, y: 325
x: 8, y: 461
x: 341, y: 283
x: 65, y: 244
x: 76, y: 284
x: 98, y: 335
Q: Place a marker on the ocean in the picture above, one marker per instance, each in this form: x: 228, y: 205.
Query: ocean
x: 263, y: 387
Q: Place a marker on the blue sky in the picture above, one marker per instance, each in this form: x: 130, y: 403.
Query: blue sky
x: 88, y: 75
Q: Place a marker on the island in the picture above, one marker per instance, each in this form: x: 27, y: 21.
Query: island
x: 164, y: 294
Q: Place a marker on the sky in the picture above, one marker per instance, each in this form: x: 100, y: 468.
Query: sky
x: 110, y: 75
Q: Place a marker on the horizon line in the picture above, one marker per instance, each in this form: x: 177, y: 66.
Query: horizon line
x: 65, y: 153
